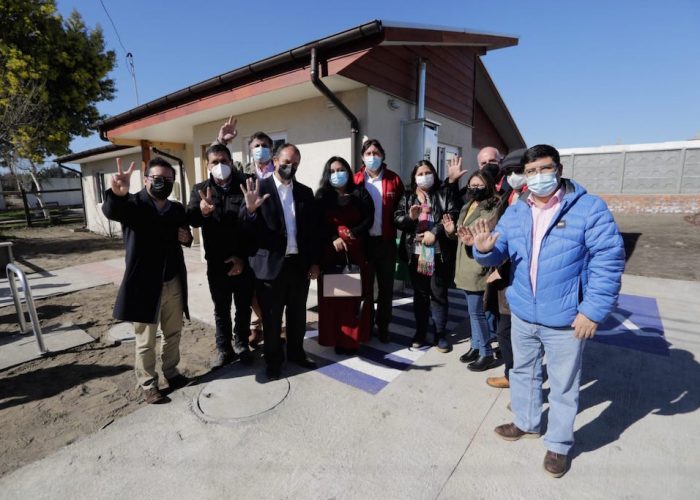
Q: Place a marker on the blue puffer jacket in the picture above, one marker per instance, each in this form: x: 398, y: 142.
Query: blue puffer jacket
x: 581, y: 260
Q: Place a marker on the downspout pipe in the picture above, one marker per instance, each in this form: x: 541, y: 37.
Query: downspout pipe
x: 183, y: 194
x: 82, y: 189
x: 420, y: 97
x: 354, y: 122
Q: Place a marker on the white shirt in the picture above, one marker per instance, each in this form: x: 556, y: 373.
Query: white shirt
x: 286, y: 194
x: 374, y: 188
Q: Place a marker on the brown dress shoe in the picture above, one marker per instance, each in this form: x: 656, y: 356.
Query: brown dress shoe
x: 510, y: 432
x: 153, y: 395
x: 555, y: 464
x: 498, y: 382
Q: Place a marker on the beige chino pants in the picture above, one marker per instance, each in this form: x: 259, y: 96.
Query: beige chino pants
x: 170, y: 319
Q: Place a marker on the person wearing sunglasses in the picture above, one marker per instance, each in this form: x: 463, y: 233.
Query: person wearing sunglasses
x: 154, y: 288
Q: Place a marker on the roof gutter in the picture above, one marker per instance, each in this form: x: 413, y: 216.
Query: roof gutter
x: 226, y: 81
x: 354, y: 122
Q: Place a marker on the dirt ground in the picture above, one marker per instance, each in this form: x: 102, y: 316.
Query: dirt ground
x: 48, y: 403
x: 662, y: 246
x: 56, y: 247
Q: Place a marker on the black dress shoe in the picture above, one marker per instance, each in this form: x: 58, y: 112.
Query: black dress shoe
x: 246, y: 357
x: 384, y: 336
x: 469, y: 356
x: 222, y: 359
x: 482, y: 364
x: 273, y: 373
x: 305, y: 363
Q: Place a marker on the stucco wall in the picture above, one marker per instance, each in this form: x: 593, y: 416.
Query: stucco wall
x: 318, y: 130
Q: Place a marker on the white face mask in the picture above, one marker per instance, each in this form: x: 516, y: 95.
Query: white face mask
x: 425, y: 181
x: 220, y: 171
x: 517, y: 181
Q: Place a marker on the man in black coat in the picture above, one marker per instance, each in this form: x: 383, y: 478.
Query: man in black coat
x: 283, y: 219
x: 154, y: 287
x: 215, y: 207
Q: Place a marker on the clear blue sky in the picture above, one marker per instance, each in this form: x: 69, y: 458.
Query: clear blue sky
x: 585, y: 73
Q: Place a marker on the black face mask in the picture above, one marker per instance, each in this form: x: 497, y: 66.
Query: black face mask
x: 286, y: 172
x: 478, y: 194
x: 492, y: 169
x: 161, y: 189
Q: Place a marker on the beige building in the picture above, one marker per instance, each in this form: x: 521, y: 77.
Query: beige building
x: 422, y: 91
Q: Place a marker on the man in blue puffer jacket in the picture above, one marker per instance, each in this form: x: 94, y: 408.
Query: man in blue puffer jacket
x: 567, y: 261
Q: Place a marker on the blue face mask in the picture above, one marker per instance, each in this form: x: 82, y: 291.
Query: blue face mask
x: 543, y: 184
x: 373, y: 162
x: 339, y: 179
x: 261, y: 154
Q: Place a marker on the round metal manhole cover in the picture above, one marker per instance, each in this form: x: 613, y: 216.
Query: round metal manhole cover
x: 239, y: 394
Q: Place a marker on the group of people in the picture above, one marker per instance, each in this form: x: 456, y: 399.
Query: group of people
x: 538, y: 258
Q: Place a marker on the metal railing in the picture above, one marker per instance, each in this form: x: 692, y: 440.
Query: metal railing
x: 14, y: 272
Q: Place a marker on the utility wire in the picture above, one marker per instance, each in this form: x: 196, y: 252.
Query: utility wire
x: 129, y: 56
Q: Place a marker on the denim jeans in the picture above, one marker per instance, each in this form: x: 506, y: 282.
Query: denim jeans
x: 477, y: 320
x: 531, y: 343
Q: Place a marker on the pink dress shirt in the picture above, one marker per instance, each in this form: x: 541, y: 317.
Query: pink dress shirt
x: 541, y: 219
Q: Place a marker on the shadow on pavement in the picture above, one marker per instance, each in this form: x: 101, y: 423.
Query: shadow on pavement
x: 633, y: 384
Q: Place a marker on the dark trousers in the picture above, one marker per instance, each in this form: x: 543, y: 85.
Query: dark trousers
x: 224, y: 290
x: 504, y: 343
x: 290, y: 289
x: 381, y: 255
x: 430, y: 298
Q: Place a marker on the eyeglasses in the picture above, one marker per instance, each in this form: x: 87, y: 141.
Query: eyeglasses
x: 544, y: 169
x: 157, y: 178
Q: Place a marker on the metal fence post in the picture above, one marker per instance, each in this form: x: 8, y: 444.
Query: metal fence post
x: 15, y: 272
x: 27, y: 214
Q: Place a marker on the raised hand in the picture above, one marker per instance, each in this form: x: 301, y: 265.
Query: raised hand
x: 414, y: 212
x: 121, y: 181
x: 454, y: 169
x: 448, y: 223
x: 465, y: 236
x: 251, y: 193
x: 484, y: 239
x: 206, y: 204
x: 228, y: 131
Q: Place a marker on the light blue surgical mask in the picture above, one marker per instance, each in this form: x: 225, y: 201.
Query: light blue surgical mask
x: 373, y: 162
x: 261, y: 154
x: 339, y: 179
x: 543, y: 184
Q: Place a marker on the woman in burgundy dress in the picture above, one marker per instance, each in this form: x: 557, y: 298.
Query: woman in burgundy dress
x: 347, y: 213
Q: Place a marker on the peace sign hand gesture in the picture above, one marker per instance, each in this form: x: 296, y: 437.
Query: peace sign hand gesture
x: 484, y: 239
x: 206, y: 204
x: 251, y: 193
x: 121, y: 180
x: 228, y: 131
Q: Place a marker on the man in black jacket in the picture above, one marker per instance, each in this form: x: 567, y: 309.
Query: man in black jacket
x: 154, y: 287
x: 282, y: 216
x: 215, y: 207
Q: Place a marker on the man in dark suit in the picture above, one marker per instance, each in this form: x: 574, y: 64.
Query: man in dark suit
x: 282, y: 217
x: 154, y: 288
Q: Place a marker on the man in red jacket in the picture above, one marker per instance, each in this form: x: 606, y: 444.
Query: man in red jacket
x: 386, y: 189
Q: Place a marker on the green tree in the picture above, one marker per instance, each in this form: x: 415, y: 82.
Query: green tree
x: 56, y: 65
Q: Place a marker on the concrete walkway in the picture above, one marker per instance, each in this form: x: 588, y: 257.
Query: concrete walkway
x: 427, y: 432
